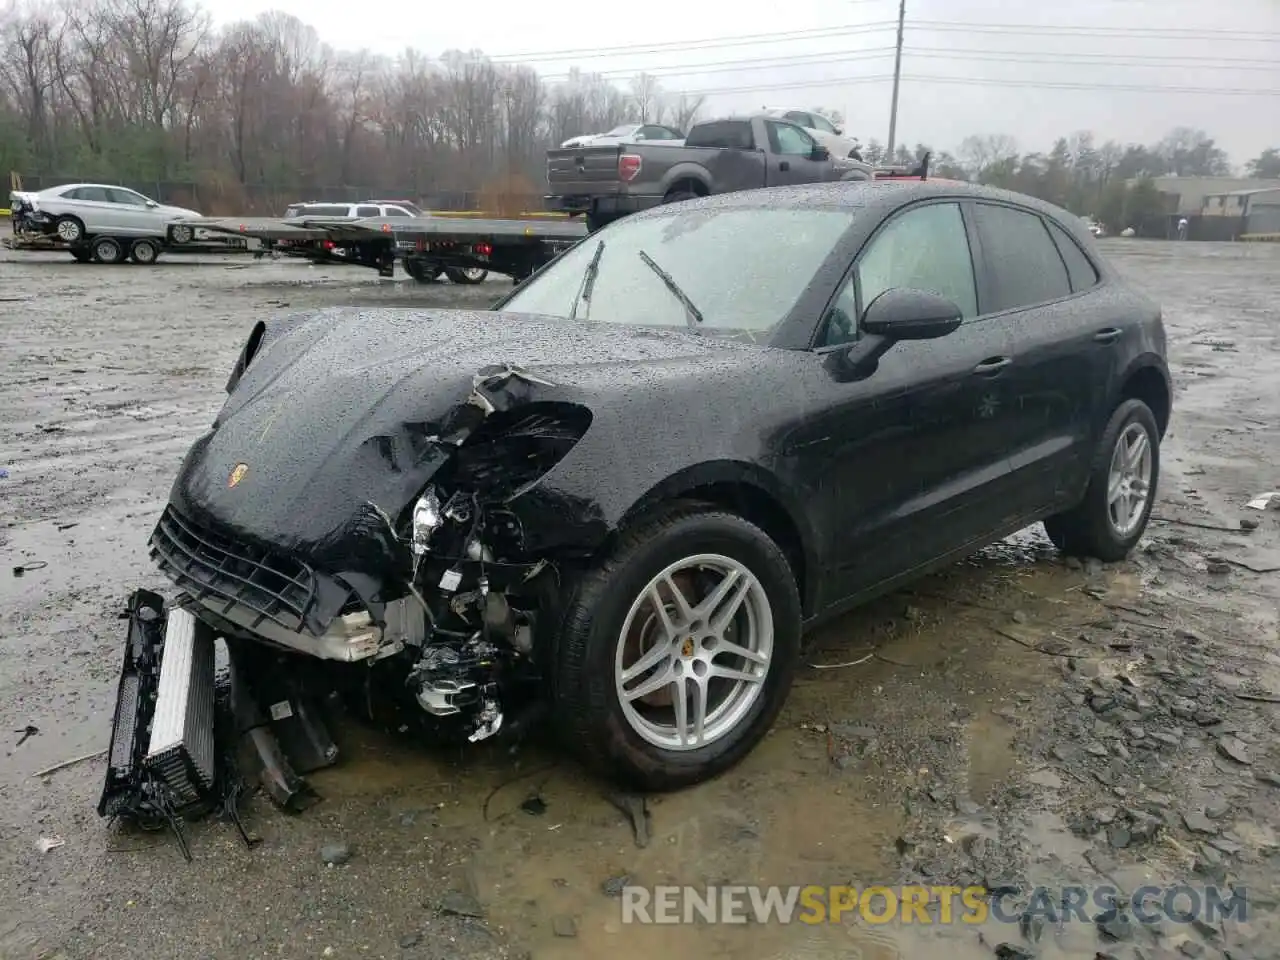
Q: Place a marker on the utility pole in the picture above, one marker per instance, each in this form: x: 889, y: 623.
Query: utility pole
x: 897, y: 79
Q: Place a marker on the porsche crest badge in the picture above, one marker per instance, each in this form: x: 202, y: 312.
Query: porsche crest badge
x: 237, y: 474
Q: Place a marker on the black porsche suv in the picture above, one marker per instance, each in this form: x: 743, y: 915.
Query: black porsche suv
x: 627, y: 489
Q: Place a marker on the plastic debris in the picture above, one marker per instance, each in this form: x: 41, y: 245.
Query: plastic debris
x: 1265, y: 501
x: 45, y: 844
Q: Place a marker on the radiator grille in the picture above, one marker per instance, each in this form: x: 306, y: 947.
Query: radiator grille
x: 219, y: 571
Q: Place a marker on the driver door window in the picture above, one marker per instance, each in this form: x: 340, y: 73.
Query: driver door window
x: 126, y: 197
x: 790, y: 141
x: 924, y: 249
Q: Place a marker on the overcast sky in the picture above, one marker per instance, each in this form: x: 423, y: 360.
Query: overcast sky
x: 1067, y: 71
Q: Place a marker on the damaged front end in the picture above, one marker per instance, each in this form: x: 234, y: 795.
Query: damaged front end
x: 444, y: 608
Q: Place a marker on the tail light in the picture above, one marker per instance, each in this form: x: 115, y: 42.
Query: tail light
x: 329, y: 244
x: 628, y: 167
x: 484, y: 249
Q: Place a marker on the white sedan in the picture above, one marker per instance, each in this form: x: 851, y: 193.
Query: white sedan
x: 75, y: 212
x: 628, y: 133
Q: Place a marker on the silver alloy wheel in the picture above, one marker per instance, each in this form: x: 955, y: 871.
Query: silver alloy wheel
x: 475, y: 274
x: 1129, y: 480
x: 69, y: 231
x: 148, y: 257
x: 108, y: 251
x: 182, y: 234
x: 701, y: 664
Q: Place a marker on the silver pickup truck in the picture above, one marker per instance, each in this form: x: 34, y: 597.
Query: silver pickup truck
x: 718, y: 156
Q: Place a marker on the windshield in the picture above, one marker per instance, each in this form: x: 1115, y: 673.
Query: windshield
x: 742, y: 268
x: 621, y: 131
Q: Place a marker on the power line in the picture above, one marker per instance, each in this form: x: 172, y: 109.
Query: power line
x: 828, y: 82
x: 584, y: 53
x: 783, y: 62
x: 1148, y: 33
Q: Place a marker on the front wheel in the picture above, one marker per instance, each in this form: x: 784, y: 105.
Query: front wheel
x: 181, y: 234
x: 678, y: 650
x: 1113, y: 515
x: 69, y: 229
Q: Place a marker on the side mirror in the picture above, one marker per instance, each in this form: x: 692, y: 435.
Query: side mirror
x: 839, y: 131
x: 820, y: 152
x: 897, y: 314
x: 906, y: 314
x: 152, y: 203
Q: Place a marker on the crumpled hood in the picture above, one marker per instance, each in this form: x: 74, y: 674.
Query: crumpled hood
x: 335, y: 418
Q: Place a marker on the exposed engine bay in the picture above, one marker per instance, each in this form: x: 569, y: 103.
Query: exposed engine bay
x: 451, y: 637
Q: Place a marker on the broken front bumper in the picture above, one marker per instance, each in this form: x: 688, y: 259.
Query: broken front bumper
x: 258, y: 593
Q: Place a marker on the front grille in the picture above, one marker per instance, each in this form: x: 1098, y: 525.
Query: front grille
x: 221, y: 572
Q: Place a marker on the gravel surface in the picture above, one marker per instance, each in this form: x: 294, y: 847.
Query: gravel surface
x: 1024, y: 720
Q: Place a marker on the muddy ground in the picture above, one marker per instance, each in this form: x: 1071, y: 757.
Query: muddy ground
x: 1015, y: 720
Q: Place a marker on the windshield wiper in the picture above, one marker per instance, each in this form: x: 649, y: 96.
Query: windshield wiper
x: 588, y: 283
x: 692, y: 313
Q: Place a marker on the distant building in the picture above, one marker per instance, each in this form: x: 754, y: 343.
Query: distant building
x: 1259, y: 208
x: 1186, y: 196
x: 1218, y: 208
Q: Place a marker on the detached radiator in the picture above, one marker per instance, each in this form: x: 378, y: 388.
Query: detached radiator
x: 181, y: 752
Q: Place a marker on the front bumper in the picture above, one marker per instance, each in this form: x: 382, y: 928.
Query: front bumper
x: 259, y: 593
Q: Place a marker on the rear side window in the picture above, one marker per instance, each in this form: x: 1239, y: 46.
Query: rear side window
x: 1024, y: 260
x: 733, y: 134
x: 395, y: 212
x: 1081, y: 271
x: 367, y: 212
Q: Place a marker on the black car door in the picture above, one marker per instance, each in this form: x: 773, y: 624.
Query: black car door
x: 1063, y: 349
x: 910, y: 461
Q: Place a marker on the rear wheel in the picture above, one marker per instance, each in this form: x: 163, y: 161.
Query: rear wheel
x: 677, y: 196
x: 678, y: 650
x: 144, y: 252
x: 466, y: 276
x: 1117, y: 504
x: 108, y: 250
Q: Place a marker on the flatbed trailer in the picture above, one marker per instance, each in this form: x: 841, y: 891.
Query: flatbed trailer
x: 424, y: 245
x: 26, y: 241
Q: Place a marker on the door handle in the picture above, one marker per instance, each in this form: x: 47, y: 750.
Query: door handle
x: 1109, y: 335
x: 991, y: 366
x: 784, y: 165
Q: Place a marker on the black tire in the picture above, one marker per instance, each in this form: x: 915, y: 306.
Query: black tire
x: 181, y: 234
x: 677, y: 196
x: 144, y: 252
x: 588, y: 709
x: 69, y: 229
x: 81, y: 254
x: 1086, y: 530
x: 108, y: 250
x: 467, y: 277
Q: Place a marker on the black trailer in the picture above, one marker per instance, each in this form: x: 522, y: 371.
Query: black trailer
x: 426, y: 246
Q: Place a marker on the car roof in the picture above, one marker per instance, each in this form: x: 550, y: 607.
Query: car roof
x: 883, y: 194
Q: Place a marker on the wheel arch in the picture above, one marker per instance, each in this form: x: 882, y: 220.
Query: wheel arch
x: 1148, y: 381
x: 752, y: 493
